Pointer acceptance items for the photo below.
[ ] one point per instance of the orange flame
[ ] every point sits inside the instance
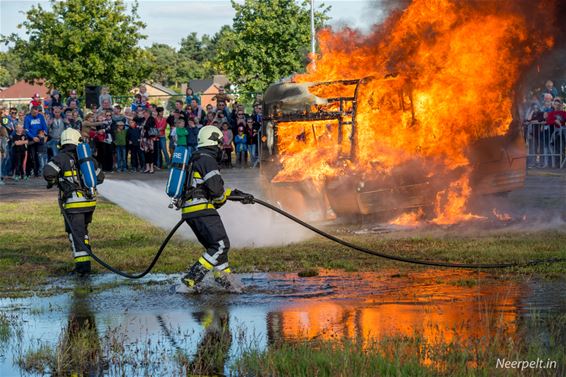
(442, 77)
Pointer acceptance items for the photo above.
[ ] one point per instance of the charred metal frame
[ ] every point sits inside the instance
(307, 115)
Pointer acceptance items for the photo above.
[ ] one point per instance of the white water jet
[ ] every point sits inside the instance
(246, 225)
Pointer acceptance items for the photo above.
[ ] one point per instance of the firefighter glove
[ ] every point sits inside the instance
(240, 196)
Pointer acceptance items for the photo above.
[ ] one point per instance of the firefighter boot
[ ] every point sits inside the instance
(195, 275)
(227, 281)
(82, 264)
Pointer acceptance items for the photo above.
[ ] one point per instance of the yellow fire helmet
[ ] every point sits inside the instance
(70, 136)
(209, 136)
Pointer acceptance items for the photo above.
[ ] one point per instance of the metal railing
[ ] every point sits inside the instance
(546, 145)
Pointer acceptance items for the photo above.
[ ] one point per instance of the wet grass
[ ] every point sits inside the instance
(5, 330)
(34, 247)
(413, 355)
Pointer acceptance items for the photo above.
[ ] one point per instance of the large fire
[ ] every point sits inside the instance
(442, 76)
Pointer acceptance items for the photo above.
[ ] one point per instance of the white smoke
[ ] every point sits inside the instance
(246, 225)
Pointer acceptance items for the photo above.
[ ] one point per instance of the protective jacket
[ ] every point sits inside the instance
(63, 170)
(205, 191)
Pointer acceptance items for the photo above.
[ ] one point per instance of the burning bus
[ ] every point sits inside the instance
(419, 114)
(315, 126)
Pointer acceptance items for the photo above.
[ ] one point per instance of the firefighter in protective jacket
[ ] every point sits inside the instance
(204, 195)
(79, 203)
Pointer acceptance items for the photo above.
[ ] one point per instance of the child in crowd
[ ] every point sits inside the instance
(42, 150)
(19, 147)
(104, 95)
(133, 136)
(241, 142)
(181, 132)
(121, 156)
(227, 148)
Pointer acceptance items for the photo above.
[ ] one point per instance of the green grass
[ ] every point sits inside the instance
(411, 355)
(34, 247)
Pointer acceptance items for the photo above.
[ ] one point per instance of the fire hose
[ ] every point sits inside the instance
(249, 199)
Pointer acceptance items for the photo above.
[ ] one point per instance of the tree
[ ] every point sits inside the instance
(165, 59)
(269, 40)
(9, 68)
(83, 42)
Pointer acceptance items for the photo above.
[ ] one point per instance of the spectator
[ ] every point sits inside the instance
(117, 116)
(121, 157)
(209, 118)
(149, 134)
(56, 100)
(549, 89)
(190, 95)
(105, 107)
(104, 96)
(221, 96)
(197, 112)
(178, 112)
(56, 126)
(139, 103)
(73, 97)
(103, 143)
(42, 150)
(19, 141)
(34, 122)
(227, 148)
(143, 92)
(36, 102)
(161, 124)
(192, 137)
(257, 114)
(221, 106)
(241, 141)
(252, 132)
(220, 118)
(9, 123)
(172, 120)
(133, 137)
(239, 120)
(555, 121)
(181, 133)
(210, 109)
(73, 105)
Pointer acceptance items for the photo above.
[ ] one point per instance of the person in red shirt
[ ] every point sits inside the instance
(161, 124)
(36, 102)
(555, 132)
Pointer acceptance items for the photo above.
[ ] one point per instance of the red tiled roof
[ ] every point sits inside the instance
(22, 89)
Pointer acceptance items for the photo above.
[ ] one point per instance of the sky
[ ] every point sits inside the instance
(168, 21)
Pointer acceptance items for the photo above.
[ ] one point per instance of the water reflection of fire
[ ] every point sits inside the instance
(432, 304)
(443, 74)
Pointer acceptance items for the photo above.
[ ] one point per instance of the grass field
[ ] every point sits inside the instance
(34, 247)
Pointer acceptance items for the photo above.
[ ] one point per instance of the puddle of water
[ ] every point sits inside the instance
(145, 328)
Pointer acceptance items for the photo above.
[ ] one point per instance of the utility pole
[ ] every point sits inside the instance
(313, 38)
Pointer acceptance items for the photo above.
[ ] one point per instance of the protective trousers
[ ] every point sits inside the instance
(210, 232)
(79, 224)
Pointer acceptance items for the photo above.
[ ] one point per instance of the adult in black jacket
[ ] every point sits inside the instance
(63, 171)
(204, 196)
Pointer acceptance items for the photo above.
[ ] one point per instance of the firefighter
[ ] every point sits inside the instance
(79, 203)
(204, 195)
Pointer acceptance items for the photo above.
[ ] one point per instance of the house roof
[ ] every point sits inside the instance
(22, 89)
(200, 86)
(162, 88)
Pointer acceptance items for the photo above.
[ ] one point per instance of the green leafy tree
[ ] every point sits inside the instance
(166, 61)
(9, 67)
(269, 40)
(81, 42)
